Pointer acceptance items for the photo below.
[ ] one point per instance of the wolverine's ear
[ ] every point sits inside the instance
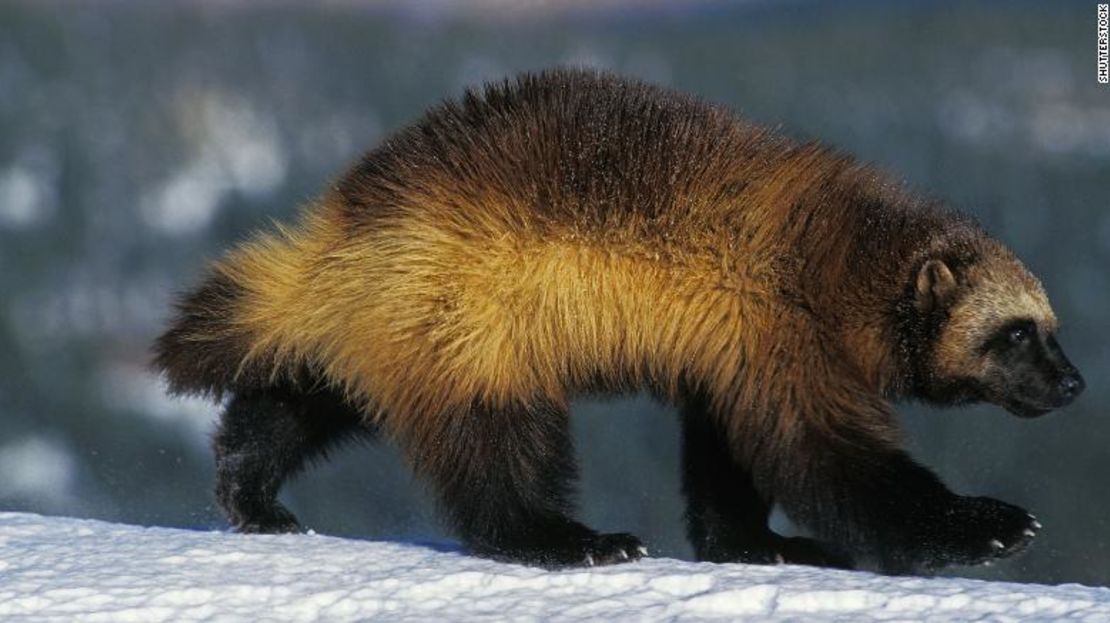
(936, 286)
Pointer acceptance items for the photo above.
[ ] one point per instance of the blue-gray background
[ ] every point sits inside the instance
(138, 139)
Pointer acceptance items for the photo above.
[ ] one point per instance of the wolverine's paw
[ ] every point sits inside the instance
(592, 550)
(608, 549)
(977, 530)
(274, 520)
(584, 548)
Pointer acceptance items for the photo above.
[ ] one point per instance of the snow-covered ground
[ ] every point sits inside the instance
(61, 569)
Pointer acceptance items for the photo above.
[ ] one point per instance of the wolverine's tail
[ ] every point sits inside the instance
(203, 351)
(239, 331)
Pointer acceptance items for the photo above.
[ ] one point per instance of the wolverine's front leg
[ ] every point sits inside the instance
(854, 488)
(503, 476)
(726, 517)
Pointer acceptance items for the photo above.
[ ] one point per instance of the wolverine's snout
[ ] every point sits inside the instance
(1066, 382)
(1071, 386)
(1042, 379)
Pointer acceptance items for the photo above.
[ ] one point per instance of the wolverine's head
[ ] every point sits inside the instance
(993, 335)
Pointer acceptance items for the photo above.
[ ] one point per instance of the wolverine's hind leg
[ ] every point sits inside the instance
(504, 476)
(264, 437)
(726, 517)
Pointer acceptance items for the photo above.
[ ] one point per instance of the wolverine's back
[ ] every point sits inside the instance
(563, 231)
(563, 146)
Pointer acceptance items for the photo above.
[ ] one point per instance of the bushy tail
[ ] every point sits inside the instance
(203, 352)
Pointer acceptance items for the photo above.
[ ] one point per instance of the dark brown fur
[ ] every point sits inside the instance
(572, 232)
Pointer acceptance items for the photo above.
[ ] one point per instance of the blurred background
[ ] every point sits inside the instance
(139, 139)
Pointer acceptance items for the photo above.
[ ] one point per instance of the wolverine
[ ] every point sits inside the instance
(572, 232)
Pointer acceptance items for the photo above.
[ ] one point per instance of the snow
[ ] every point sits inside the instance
(61, 569)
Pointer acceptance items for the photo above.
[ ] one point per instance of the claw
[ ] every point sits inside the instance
(589, 560)
(643, 550)
(623, 554)
(1036, 524)
(996, 544)
(779, 560)
(1029, 533)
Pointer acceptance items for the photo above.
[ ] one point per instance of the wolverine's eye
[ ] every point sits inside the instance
(1018, 335)
(1011, 336)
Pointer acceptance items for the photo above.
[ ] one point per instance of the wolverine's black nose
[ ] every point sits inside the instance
(1071, 386)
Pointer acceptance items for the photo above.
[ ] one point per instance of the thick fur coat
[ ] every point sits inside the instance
(571, 232)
